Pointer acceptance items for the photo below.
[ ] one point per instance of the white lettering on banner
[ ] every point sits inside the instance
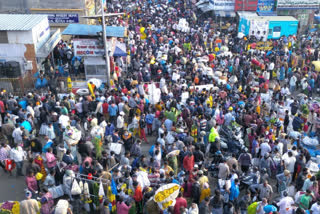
(225, 5)
(298, 4)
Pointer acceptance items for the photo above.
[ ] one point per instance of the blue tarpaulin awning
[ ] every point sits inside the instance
(92, 30)
(119, 52)
(222, 13)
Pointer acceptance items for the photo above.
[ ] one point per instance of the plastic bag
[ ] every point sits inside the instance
(295, 135)
(56, 191)
(75, 190)
(310, 141)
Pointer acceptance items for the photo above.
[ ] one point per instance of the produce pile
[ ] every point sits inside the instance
(10, 207)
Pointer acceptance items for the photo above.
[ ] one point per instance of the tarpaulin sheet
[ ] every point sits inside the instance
(92, 30)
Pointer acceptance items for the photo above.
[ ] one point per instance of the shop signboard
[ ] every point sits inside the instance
(246, 5)
(63, 18)
(265, 5)
(224, 5)
(92, 47)
(298, 4)
(88, 47)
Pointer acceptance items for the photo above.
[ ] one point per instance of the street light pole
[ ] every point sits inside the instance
(105, 44)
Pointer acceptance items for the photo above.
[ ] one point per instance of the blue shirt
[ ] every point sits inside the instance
(113, 110)
(168, 124)
(234, 191)
(149, 118)
(109, 130)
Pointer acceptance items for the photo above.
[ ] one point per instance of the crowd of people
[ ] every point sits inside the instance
(235, 128)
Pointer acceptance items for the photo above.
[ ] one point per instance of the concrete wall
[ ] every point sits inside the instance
(22, 6)
(20, 37)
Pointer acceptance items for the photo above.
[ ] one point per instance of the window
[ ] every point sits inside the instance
(277, 29)
(101, 70)
(91, 70)
(96, 70)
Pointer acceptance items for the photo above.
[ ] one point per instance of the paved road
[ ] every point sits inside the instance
(12, 188)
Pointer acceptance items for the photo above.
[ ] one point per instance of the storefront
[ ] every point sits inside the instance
(25, 41)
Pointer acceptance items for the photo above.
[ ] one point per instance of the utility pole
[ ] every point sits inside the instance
(105, 44)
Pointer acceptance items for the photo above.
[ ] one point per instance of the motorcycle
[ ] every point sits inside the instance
(231, 139)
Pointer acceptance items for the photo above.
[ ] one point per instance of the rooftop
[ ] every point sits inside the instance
(274, 18)
(20, 22)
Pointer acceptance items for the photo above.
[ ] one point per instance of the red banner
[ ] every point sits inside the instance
(246, 5)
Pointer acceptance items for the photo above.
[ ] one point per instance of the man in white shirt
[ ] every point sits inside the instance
(315, 208)
(292, 83)
(120, 120)
(285, 204)
(79, 107)
(30, 109)
(17, 134)
(265, 148)
(289, 162)
(17, 155)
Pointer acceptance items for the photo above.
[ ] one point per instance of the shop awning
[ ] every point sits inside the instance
(246, 14)
(267, 13)
(92, 30)
(119, 52)
(205, 6)
(221, 13)
(45, 50)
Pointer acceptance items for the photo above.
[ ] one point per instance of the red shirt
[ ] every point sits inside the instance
(180, 202)
(138, 194)
(188, 163)
(105, 107)
(2, 109)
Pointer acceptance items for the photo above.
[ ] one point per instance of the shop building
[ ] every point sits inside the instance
(25, 41)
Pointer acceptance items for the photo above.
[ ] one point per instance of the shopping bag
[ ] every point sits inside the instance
(75, 190)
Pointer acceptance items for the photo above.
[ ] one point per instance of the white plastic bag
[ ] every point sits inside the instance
(310, 141)
(75, 190)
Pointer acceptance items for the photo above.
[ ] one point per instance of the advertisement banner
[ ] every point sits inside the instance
(63, 18)
(244, 5)
(92, 47)
(225, 5)
(265, 5)
(297, 4)
(259, 29)
(88, 47)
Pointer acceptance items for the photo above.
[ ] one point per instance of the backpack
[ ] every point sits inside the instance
(252, 208)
